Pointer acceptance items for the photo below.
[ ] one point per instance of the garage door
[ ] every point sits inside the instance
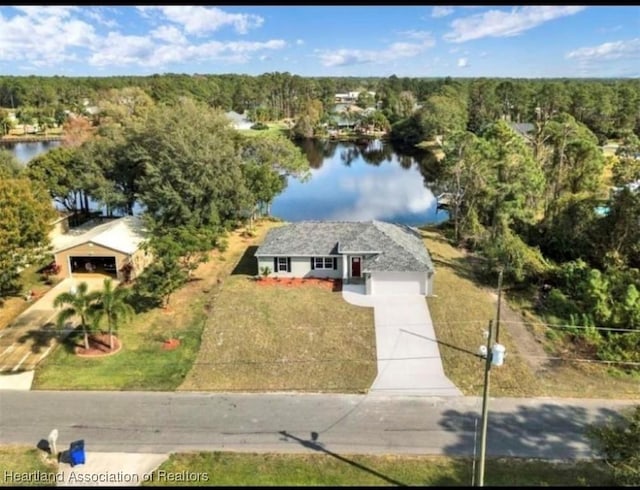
(398, 283)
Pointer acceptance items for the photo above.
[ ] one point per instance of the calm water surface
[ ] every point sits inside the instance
(26, 151)
(359, 182)
(349, 182)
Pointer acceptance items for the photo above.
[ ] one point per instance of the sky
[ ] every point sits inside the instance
(408, 41)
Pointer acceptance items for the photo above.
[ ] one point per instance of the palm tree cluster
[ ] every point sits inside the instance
(108, 304)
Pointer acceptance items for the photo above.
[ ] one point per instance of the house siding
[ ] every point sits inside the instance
(300, 267)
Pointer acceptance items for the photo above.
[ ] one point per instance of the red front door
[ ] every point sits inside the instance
(355, 266)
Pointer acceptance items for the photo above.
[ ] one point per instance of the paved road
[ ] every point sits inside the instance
(165, 422)
(409, 361)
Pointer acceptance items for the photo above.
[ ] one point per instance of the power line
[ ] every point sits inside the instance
(567, 326)
(543, 324)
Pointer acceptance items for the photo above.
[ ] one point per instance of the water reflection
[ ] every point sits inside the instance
(362, 181)
(26, 151)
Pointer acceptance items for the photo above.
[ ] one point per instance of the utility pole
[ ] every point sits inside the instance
(485, 409)
(494, 356)
(499, 304)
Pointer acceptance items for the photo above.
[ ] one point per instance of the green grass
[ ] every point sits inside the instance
(281, 338)
(237, 469)
(274, 129)
(461, 312)
(16, 461)
(142, 363)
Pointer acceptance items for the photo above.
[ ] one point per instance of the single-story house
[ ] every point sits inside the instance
(239, 121)
(111, 247)
(389, 258)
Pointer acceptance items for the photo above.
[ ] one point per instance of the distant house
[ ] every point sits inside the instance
(112, 248)
(239, 121)
(523, 129)
(390, 259)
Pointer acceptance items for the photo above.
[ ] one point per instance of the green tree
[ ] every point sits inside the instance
(619, 443)
(267, 162)
(6, 123)
(61, 172)
(10, 167)
(25, 222)
(191, 167)
(79, 303)
(112, 305)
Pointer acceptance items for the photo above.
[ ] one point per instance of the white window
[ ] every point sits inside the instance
(282, 264)
(323, 262)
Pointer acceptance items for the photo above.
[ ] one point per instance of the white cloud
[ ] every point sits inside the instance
(43, 36)
(344, 57)
(424, 36)
(607, 51)
(299, 42)
(463, 62)
(500, 23)
(483, 54)
(170, 34)
(96, 14)
(40, 12)
(200, 20)
(438, 12)
(377, 198)
(127, 50)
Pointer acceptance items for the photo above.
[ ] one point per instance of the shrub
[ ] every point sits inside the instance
(259, 126)
(265, 271)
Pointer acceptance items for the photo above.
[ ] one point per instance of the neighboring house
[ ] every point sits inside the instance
(112, 248)
(239, 121)
(523, 129)
(388, 258)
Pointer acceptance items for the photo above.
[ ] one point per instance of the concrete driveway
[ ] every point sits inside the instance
(409, 360)
(32, 335)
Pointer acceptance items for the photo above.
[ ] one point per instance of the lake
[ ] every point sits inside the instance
(348, 181)
(26, 151)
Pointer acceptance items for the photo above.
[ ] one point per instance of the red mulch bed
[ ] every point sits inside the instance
(170, 344)
(98, 346)
(332, 284)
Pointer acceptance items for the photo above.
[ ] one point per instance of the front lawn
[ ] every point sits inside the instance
(25, 466)
(237, 469)
(143, 364)
(283, 338)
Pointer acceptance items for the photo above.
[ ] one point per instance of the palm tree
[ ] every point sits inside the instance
(80, 303)
(113, 306)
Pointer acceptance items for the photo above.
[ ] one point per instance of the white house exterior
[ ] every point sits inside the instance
(388, 258)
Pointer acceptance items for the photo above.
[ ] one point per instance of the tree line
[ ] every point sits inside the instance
(608, 107)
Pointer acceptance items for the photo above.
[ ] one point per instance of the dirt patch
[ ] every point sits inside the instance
(528, 346)
(331, 284)
(98, 346)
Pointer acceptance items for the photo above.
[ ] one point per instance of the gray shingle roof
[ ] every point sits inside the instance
(523, 128)
(397, 247)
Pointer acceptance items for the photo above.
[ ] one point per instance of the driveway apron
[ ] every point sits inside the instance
(409, 361)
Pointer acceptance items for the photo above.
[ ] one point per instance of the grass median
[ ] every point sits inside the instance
(234, 469)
